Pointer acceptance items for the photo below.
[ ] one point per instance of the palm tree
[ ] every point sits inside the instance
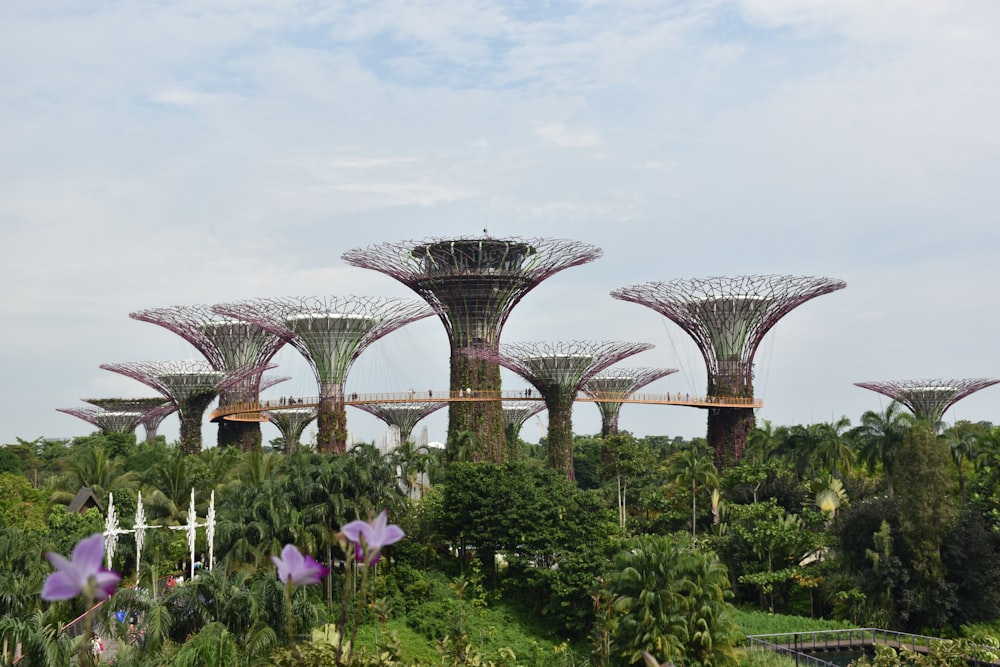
(95, 468)
(692, 469)
(40, 637)
(880, 437)
(963, 443)
(833, 449)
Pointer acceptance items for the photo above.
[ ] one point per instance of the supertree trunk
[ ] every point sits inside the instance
(244, 435)
(331, 420)
(560, 435)
(483, 419)
(609, 424)
(191, 414)
(728, 429)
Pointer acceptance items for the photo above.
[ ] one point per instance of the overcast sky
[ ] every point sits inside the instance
(156, 154)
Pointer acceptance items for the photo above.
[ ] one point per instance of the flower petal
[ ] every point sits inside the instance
(105, 583)
(58, 586)
(87, 555)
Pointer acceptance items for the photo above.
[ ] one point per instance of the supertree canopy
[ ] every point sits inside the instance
(617, 382)
(154, 410)
(515, 414)
(330, 332)
(108, 421)
(403, 416)
(292, 422)
(190, 385)
(928, 399)
(558, 370)
(228, 345)
(474, 283)
(728, 318)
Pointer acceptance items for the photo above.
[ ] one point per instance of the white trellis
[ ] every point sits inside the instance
(112, 530)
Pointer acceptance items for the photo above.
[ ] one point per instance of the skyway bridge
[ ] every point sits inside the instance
(256, 411)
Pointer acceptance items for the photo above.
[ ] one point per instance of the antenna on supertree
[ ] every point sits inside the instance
(403, 416)
(928, 399)
(330, 332)
(621, 383)
(292, 422)
(728, 318)
(108, 421)
(227, 345)
(515, 413)
(474, 283)
(154, 410)
(558, 370)
(191, 385)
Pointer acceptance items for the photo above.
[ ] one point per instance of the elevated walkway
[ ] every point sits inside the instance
(255, 411)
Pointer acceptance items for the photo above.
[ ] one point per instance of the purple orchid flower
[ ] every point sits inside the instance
(371, 537)
(298, 570)
(80, 574)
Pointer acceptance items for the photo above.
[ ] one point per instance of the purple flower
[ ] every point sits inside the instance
(371, 537)
(298, 570)
(81, 574)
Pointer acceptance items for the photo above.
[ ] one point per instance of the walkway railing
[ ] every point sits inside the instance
(252, 411)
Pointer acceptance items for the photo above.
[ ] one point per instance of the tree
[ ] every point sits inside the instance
(691, 469)
(963, 444)
(880, 437)
(671, 600)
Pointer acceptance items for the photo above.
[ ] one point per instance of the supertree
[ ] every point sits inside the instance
(621, 383)
(292, 422)
(228, 345)
(928, 399)
(558, 370)
(330, 332)
(403, 416)
(474, 283)
(515, 414)
(191, 385)
(728, 318)
(154, 410)
(108, 421)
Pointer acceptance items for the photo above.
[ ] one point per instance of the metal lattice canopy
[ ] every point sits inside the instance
(227, 344)
(128, 404)
(620, 382)
(928, 399)
(108, 421)
(563, 364)
(515, 413)
(330, 332)
(473, 282)
(728, 317)
(181, 381)
(403, 416)
(291, 422)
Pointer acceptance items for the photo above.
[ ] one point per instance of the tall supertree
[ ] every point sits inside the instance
(191, 385)
(403, 416)
(558, 370)
(154, 410)
(928, 399)
(108, 421)
(515, 414)
(292, 422)
(475, 283)
(728, 318)
(616, 382)
(330, 332)
(228, 345)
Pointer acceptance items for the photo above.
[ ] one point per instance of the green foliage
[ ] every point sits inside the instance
(670, 599)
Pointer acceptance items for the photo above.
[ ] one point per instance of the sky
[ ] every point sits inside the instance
(178, 153)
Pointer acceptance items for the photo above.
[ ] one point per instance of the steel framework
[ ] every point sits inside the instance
(108, 421)
(617, 381)
(228, 345)
(474, 283)
(928, 399)
(330, 333)
(403, 416)
(728, 318)
(292, 422)
(154, 410)
(558, 370)
(191, 385)
(515, 414)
